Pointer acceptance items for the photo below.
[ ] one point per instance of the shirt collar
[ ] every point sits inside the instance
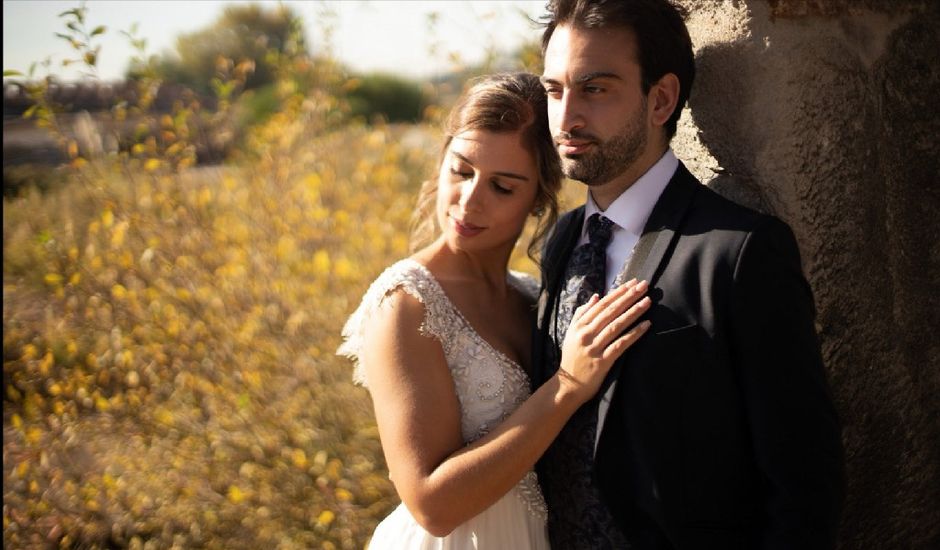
(633, 207)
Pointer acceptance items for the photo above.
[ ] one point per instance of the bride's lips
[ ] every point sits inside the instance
(465, 229)
(573, 147)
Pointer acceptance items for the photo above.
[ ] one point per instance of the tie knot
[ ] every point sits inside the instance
(599, 229)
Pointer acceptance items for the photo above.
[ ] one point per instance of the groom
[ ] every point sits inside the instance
(716, 430)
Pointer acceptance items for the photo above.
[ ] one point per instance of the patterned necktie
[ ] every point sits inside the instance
(577, 517)
(590, 259)
(585, 274)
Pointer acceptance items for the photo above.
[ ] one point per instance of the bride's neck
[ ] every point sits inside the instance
(461, 265)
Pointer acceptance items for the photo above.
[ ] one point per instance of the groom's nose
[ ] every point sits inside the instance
(565, 113)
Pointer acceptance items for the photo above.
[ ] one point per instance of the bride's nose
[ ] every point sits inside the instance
(471, 196)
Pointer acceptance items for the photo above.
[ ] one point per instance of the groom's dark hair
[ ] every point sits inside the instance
(662, 40)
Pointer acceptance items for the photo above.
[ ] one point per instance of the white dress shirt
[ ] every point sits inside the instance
(629, 212)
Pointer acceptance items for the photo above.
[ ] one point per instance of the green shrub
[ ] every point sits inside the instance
(391, 97)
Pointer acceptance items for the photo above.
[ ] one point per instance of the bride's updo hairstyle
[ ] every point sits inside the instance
(500, 103)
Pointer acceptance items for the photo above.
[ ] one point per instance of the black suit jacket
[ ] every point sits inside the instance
(721, 431)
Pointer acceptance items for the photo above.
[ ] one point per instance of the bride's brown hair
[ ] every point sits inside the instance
(501, 103)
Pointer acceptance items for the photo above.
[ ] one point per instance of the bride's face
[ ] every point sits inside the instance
(486, 188)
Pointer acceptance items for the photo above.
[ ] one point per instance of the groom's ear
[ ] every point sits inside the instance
(662, 99)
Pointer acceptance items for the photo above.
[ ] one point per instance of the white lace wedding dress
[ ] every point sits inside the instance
(489, 387)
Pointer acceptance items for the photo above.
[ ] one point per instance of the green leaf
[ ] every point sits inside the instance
(73, 11)
(65, 37)
(99, 30)
(11, 72)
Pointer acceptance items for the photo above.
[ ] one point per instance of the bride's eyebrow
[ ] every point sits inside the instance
(512, 175)
(461, 157)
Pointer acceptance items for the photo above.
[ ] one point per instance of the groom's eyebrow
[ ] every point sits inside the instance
(584, 78)
(595, 76)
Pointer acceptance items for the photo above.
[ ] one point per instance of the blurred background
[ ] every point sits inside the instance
(196, 195)
(412, 38)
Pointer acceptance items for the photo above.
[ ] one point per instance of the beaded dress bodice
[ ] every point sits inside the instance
(489, 385)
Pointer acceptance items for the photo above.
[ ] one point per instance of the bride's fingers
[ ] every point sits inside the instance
(580, 310)
(604, 303)
(630, 295)
(622, 321)
(620, 345)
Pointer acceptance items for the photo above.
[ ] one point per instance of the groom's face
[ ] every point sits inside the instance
(596, 107)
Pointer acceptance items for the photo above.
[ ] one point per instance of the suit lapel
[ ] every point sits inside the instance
(649, 254)
(558, 248)
(661, 228)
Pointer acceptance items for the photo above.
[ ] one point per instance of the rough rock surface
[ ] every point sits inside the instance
(825, 114)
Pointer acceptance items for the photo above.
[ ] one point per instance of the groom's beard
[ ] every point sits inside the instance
(607, 159)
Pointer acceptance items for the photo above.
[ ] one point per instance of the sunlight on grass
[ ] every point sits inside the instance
(169, 328)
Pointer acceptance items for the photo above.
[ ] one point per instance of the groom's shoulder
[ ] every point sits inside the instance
(560, 232)
(564, 224)
(709, 208)
(718, 222)
(569, 217)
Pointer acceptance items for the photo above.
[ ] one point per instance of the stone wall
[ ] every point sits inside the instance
(826, 114)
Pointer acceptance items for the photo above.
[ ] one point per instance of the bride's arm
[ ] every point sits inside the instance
(442, 482)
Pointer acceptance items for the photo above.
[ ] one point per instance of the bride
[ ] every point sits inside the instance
(442, 338)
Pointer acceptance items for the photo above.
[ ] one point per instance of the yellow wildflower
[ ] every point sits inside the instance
(235, 495)
(325, 518)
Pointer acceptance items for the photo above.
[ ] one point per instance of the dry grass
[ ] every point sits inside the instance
(168, 345)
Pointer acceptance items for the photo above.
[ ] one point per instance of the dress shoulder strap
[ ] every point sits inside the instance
(406, 275)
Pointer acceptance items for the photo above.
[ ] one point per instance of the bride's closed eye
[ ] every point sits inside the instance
(500, 188)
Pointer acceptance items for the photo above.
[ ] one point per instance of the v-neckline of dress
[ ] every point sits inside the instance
(480, 339)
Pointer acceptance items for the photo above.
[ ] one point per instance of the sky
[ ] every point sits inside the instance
(368, 35)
